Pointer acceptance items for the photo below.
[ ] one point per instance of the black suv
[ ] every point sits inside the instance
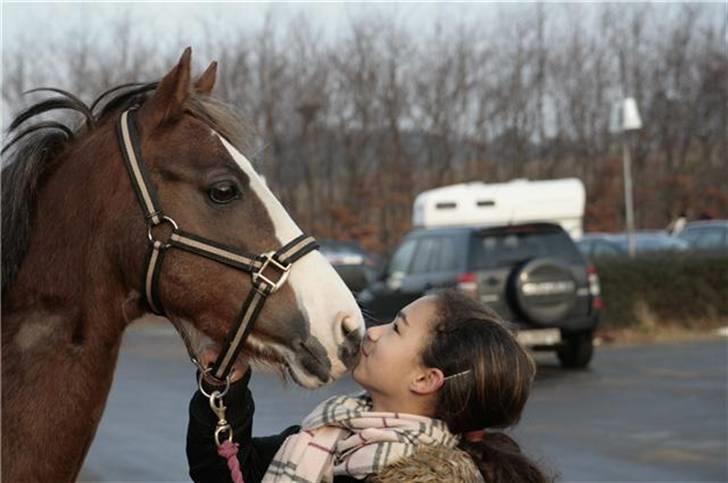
(533, 275)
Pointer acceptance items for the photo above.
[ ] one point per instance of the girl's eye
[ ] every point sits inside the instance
(396, 329)
(223, 192)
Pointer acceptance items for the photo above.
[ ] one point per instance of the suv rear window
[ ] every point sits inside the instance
(507, 246)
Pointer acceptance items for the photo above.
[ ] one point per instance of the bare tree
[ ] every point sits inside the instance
(354, 125)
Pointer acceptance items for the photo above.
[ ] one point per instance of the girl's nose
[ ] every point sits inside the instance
(373, 333)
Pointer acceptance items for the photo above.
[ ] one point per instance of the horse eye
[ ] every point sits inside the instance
(223, 192)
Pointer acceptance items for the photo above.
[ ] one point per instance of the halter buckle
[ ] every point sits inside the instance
(162, 219)
(270, 261)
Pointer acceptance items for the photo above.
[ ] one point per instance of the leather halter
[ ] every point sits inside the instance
(264, 283)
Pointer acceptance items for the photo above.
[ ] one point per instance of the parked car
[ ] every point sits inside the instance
(596, 245)
(709, 235)
(355, 265)
(531, 274)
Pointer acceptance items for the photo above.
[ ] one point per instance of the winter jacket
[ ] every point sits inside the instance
(427, 465)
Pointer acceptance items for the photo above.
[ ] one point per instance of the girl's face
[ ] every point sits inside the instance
(390, 354)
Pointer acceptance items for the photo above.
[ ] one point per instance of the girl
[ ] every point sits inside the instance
(439, 381)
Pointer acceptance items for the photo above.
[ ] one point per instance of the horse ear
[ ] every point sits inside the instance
(205, 83)
(167, 102)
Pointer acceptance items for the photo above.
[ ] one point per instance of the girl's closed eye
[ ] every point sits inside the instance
(396, 328)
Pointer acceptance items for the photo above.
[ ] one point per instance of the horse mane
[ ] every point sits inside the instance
(33, 150)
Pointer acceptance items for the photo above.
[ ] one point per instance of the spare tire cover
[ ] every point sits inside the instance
(544, 290)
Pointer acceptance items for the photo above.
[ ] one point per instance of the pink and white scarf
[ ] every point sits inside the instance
(342, 436)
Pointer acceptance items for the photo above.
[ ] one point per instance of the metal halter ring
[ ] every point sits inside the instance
(200, 377)
(151, 225)
(223, 429)
(269, 260)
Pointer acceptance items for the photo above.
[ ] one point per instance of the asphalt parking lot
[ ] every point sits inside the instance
(649, 413)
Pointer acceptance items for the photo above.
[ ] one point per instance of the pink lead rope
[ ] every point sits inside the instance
(229, 451)
(223, 431)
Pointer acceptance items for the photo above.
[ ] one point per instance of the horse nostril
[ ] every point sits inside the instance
(349, 325)
(349, 350)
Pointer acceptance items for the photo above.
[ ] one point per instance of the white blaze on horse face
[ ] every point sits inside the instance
(320, 293)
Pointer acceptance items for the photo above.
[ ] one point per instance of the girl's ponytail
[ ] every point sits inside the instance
(494, 376)
(500, 460)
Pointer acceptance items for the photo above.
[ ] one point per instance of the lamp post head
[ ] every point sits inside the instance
(630, 115)
(625, 116)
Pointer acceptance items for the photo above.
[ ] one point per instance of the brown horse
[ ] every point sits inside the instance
(73, 262)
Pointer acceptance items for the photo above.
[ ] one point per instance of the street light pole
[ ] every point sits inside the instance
(625, 119)
(628, 198)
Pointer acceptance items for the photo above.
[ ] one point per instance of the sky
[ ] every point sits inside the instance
(30, 26)
(27, 27)
(44, 22)
(169, 23)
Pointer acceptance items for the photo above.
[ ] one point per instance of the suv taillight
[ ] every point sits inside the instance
(594, 289)
(468, 283)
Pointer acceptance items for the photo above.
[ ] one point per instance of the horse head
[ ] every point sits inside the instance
(311, 327)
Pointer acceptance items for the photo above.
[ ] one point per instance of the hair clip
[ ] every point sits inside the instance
(457, 375)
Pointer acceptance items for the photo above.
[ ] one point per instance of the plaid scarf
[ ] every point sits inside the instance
(342, 436)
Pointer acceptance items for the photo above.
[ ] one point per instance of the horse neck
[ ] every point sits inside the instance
(70, 259)
(63, 320)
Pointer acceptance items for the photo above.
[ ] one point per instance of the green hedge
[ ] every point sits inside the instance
(689, 290)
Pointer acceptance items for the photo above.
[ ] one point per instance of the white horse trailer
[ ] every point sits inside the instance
(519, 201)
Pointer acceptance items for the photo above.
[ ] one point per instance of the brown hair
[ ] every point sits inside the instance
(490, 377)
